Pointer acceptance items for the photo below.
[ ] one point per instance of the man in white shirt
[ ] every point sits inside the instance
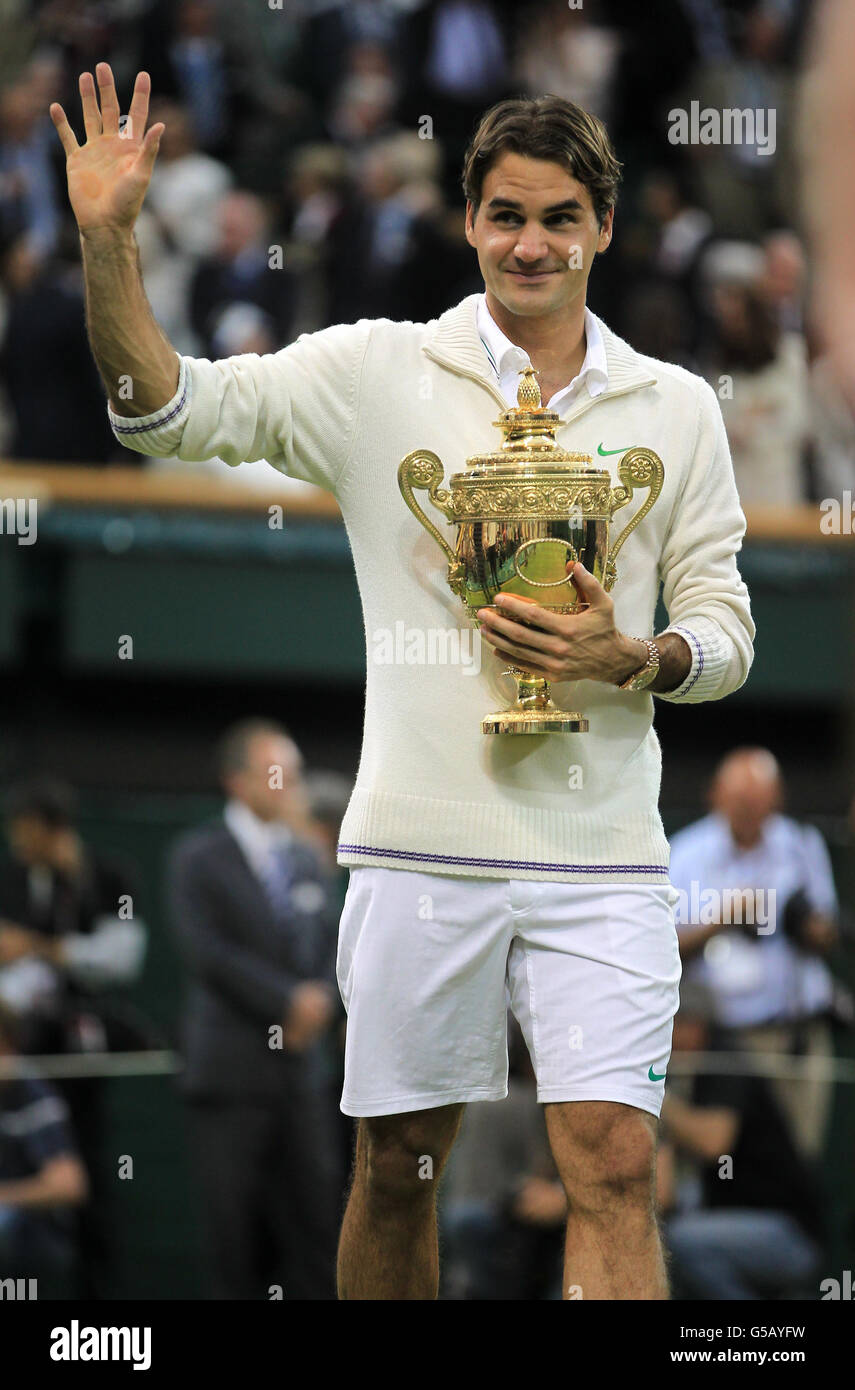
(471, 866)
(508, 360)
(746, 935)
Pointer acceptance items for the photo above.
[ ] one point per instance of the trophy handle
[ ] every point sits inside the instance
(423, 469)
(638, 468)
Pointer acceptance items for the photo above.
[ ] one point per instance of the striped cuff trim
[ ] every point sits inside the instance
(696, 669)
(156, 421)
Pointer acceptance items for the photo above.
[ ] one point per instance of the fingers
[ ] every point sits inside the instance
(148, 153)
(531, 614)
(529, 637)
(106, 118)
(63, 129)
(138, 114)
(91, 114)
(533, 658)
(109, 100)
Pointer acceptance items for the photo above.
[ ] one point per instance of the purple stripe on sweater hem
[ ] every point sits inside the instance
(144, 429)
(505, 863)
(687, 632)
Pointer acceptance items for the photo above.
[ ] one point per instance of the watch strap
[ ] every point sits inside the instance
(640, 679)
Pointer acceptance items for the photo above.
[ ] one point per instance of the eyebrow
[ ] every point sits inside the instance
(568, 205)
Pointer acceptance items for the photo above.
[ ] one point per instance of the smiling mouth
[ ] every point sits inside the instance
(530, 275)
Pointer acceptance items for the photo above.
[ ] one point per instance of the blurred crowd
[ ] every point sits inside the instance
(254, 894)
(254, 900)
(309, 174)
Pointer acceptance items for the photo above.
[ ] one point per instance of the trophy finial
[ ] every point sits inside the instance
(527, 426)
(528, 393)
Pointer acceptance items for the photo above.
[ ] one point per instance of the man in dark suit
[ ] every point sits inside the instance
(239, 271)
(256, 915)
(46, 369)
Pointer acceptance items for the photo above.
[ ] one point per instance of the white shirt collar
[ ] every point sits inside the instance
(257, 838)
(506, 359)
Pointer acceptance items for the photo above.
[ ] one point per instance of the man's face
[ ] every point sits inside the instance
(240, 223)
(271, 784)
(746, 801)
(536, 235)
(30, 839)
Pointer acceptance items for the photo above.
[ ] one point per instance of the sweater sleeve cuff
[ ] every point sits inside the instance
(712, 654)
(158, 434)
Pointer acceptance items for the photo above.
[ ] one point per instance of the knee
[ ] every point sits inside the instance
(403, 1156)
(612, 1163)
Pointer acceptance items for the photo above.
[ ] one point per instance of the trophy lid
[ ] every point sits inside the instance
(528, 419)
(528, 437)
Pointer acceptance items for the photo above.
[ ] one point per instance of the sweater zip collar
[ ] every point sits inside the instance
(453, 342)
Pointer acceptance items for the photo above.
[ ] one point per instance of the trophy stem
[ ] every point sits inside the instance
(532, 692)
(533, 711)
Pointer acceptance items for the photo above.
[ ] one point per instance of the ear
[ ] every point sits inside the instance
(470, 223)
(606, 231)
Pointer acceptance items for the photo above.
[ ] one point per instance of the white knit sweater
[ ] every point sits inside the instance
(341, 408)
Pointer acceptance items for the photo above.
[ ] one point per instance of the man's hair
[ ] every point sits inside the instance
(46, 798)
(545, 128)
(232, 754)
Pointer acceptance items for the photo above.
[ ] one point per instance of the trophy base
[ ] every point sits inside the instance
(533, 712)
(533, 721)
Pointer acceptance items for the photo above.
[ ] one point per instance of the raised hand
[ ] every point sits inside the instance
(109, 174)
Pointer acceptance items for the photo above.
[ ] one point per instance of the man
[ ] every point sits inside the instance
(61, 904)
(759, 1228)
(470, 859)
(42, 1179)
(70, 936)
(43, 332)
(238, 271)
(758, 916)
(255, 913)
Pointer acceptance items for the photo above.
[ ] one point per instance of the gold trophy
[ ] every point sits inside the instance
(522, 513)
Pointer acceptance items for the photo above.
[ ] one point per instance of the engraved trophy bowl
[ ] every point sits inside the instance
(521, 514)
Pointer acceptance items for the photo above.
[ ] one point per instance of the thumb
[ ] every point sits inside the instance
(589, 588)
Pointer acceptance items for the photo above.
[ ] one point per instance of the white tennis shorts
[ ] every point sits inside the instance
(429, 963)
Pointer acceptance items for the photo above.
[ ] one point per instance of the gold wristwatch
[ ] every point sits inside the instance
(648, 672)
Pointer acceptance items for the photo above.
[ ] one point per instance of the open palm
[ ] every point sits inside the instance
(109, 174)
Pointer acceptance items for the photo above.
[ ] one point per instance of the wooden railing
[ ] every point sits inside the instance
(191, 489)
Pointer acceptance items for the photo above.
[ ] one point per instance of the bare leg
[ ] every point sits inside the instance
(606, 1155)
(388, 1247)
